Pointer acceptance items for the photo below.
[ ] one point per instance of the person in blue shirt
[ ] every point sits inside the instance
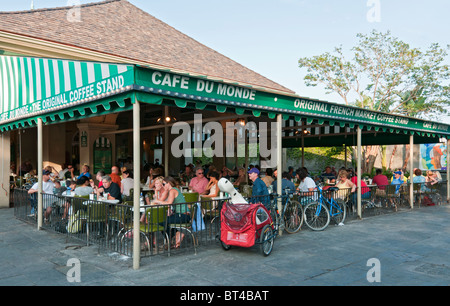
(85, 172)
(285, 183)
(398, 180)
(260, 194)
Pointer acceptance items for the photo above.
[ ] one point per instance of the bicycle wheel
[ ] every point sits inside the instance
(340, 212)
(316, 216)
(266, 240)
(293, 217)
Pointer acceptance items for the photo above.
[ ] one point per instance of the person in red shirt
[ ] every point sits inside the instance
(115, 177)
(380, 179)
(365, 191)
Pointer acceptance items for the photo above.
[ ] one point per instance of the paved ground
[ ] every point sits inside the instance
(409, 248)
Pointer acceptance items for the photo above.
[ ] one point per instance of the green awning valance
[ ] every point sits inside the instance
(36, 87)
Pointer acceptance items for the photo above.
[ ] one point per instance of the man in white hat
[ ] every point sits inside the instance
(47, 188)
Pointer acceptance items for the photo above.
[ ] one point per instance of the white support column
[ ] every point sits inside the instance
(411, 170)
(279, 161)
(39, 171)
(137, 185)
(448, 170)
(358, 129)
(166, 142)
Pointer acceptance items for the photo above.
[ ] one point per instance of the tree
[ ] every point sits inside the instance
(385, 74)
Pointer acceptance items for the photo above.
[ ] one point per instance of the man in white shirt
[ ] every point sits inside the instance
(306, 186)
(47, 187)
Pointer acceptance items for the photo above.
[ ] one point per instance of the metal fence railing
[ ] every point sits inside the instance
(187, 226)
(164, 229)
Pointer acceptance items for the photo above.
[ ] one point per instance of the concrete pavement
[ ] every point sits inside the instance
(404, 248)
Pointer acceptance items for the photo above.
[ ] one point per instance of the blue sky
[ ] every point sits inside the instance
(269, 36)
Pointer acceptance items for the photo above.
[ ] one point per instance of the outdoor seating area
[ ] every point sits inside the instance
(109, 224)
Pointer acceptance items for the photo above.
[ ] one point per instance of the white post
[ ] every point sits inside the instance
(39, 171)
(411, 170)
(137, 185)
(166, 142)
(279, 162)
(448, 170)
(358, 175)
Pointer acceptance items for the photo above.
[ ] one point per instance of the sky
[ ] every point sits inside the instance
(269, 36)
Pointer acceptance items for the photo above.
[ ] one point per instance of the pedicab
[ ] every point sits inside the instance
(243, 224)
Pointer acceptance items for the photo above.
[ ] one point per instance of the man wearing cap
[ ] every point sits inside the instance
(260, 194)
(47, 187)
(397, 180)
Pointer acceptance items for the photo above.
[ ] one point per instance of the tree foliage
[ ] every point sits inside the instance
(385, 74)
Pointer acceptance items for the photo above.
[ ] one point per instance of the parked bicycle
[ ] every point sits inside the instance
(318, 213)
(291, 214)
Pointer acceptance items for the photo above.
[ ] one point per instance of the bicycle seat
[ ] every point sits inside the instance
(333, 189)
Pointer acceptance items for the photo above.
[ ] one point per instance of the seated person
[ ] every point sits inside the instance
(260, 194)
(84, 172)
(241, 178)
(268, 179)
(127, 182)
(187, 175)
(344, 184)
(306, 187)
(181, 212)
(81, 188)
(328, 175)
(199, 182)
(365, 191)
(160, 194)
(380, 179)
(58, 189)
(420, 179)
(212, 190)
(285, 183)
(397, 180)
(115, 177)
(431, 178)
(47, 187)
(111, 188)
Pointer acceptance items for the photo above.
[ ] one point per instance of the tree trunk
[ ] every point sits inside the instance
(370, 158)
(392, 157)
(405, 164)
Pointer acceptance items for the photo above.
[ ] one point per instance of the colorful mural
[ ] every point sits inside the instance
(433, 156)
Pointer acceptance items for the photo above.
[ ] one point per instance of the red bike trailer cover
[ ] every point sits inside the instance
(238, 224)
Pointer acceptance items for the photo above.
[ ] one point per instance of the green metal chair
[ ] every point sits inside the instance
(187, 227)
(190, 196)
(121, 215)
(96, 212)
(156, 222)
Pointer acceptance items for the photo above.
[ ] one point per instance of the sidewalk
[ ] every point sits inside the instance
(412, 248)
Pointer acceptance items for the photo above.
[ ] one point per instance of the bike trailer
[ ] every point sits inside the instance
(241, 224)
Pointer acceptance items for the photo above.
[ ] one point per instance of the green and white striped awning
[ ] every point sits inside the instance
(57, 90)
(33, 87)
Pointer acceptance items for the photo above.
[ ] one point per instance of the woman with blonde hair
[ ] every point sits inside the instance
(181, 212)
(160, 194)
(430, 178)
(344, 183)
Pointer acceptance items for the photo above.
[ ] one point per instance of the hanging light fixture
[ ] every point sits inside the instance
(167, 120)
